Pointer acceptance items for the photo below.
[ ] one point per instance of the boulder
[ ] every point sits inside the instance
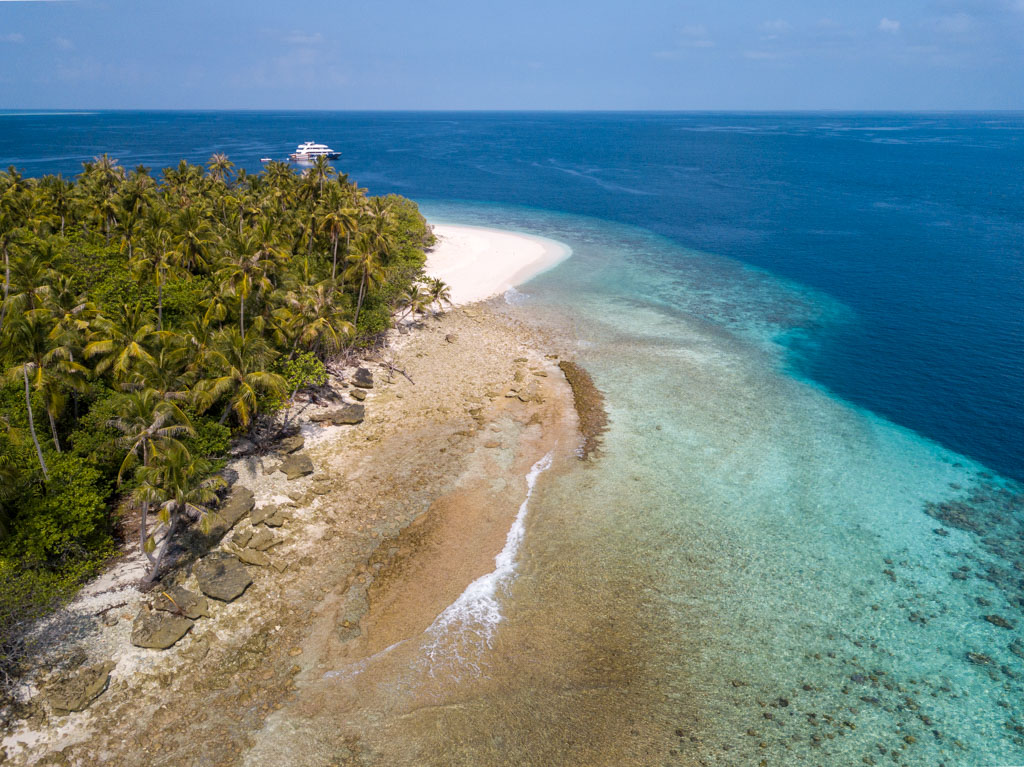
(297, 465)
(242, 536)
(451, 338)
(358, 394)
(363, 378)
(75, 690)
(242, 447)
(349, 414)
(263, 539)
(222, 576)
(262, 513)
(158, 630)
(181, 601)
(253, 557)
(277, 519)
(239, 503)
(291, 444)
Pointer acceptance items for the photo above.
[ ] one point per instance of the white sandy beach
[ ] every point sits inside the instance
(478, 263)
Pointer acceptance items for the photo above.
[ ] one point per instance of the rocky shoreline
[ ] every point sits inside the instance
(326, 553)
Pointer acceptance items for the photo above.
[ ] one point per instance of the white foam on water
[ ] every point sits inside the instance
(467, 625)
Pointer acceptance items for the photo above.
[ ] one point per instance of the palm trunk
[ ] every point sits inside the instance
(151, 578)
(334, 264)
(7, 285)
(62, 226)
(53, 430)
(241, 317)
(144, 520)
(160, 304)
(359, 303)
(32, 425)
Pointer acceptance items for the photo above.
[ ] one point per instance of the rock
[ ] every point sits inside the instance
(347, 415)
(492, 444)
(1000, 621)
(540, 373)
(261, 514)
(297, 465)
(263, 539)
(451, 338)
(75, 690)
(363, 378)
(358, 394)
(979, 659)
(270, 468)
(222, 576)
(181, 601)
(239, 503)
(253, 557)
(157, 630)
(1017, 648)
(291, 444)
(277, 519)
(241, 447)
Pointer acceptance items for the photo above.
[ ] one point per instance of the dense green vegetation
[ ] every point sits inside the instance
(144, 322)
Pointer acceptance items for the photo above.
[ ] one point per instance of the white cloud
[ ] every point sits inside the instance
(63, 43)
(12, 37)
(889, 25)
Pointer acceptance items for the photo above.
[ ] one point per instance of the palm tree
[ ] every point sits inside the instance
(220, 167)
(365, 267)
(248, 270)
(180, 486)
(413, 300)
(149, 424)
(122, 343)
(193, 237)
(154, 261)
(320, 172)
(313, 318)
(240, 377)
(26, 343)
(336, 222)
(439, 291)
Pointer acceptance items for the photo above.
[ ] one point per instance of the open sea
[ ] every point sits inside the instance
(803, 543)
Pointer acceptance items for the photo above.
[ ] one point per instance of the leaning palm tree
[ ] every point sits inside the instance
(412, 301)
(439, 291)
(239, 378)
(181, 487)
(149, 424)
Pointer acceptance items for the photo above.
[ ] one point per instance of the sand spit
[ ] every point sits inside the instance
(479, 263)
(400, 514)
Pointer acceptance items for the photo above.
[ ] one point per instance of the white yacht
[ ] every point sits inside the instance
(309, 151)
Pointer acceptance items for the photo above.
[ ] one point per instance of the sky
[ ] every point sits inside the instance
(498, 54)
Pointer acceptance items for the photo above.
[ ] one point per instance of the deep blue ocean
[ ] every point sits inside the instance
(914, 223)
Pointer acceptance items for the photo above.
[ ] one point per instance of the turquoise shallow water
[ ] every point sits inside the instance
(792, 579)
